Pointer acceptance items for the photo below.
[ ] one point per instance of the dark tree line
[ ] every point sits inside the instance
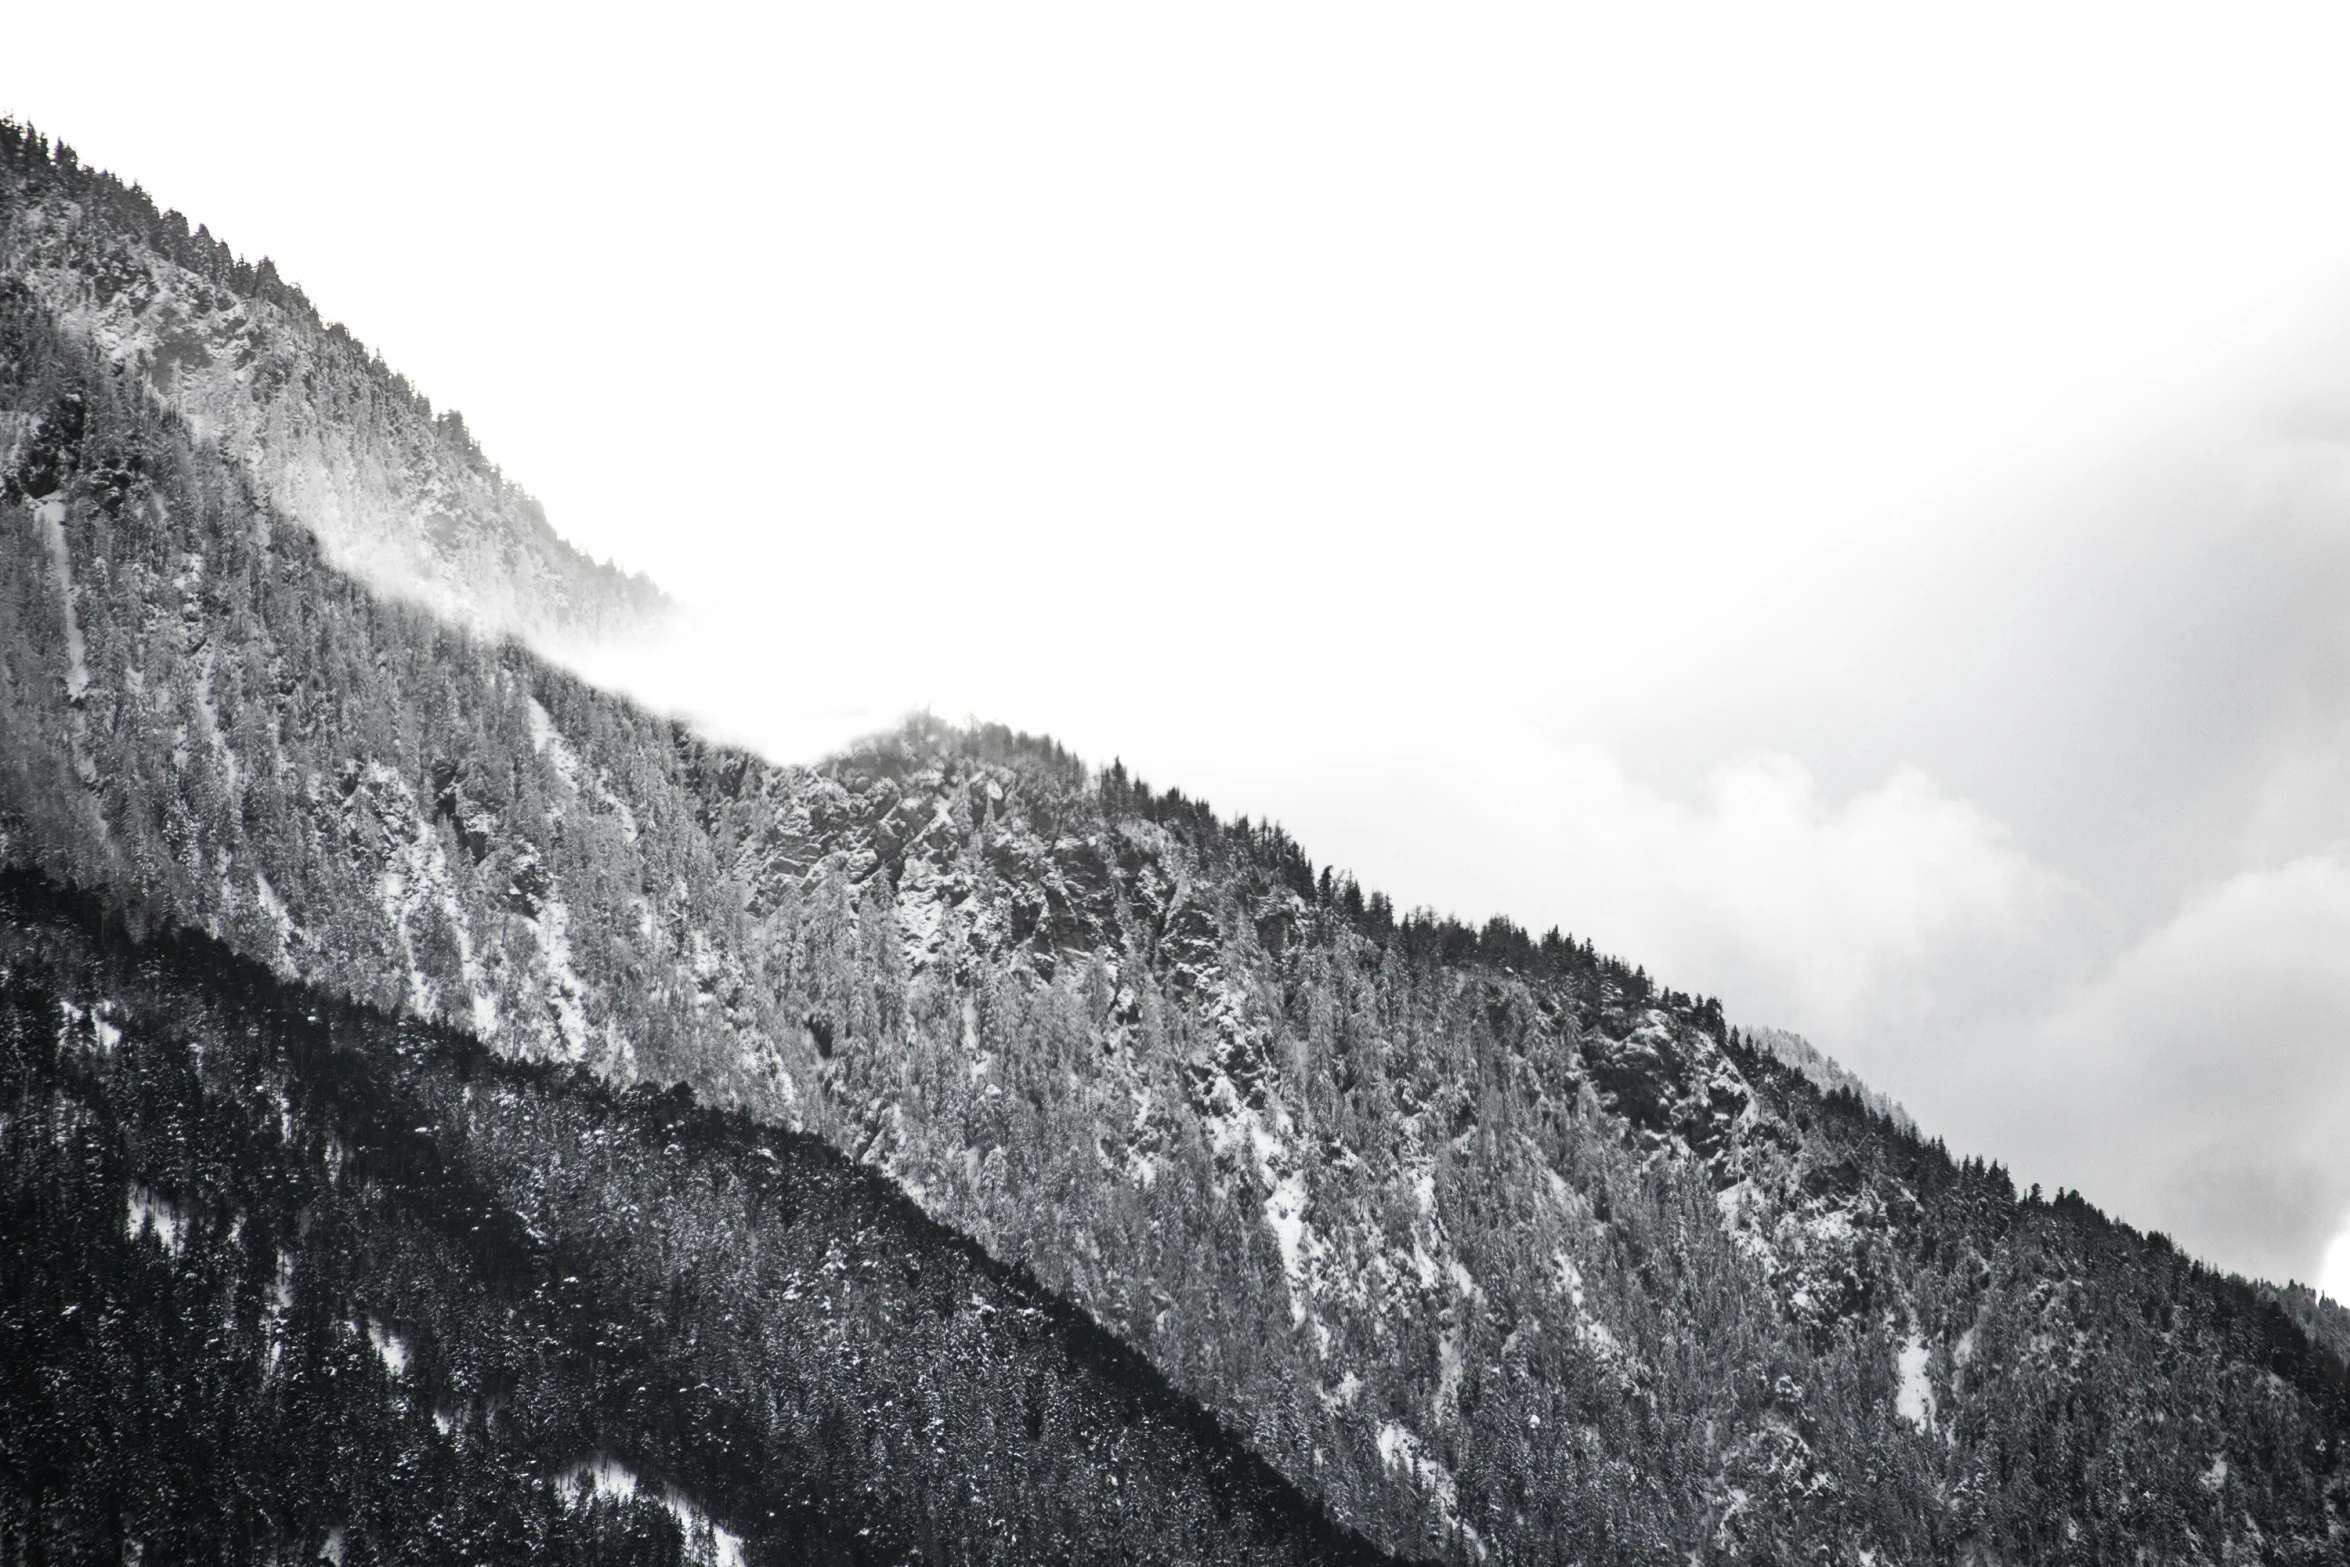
(376, 1282)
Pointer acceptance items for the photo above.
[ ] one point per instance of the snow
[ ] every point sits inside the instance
(606, 1479)
(1913, 1399)
(332, 1549)
(1396, 1445)
(1237, 1127)
(1570, 1279)
(49, 518)
(104, 1034)
(150, 1213)
(1738, 1501)
(1401, 1452)
(390, 1346)
(1142, 1168)
(281, 1306)
(1423, 1264)
(567, 993)
(416, 878)
(548, 741)
(2216, 1476)
(265, 897)
(1285, 1216)
(1448, 1375)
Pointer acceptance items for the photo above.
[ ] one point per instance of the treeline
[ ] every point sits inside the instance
(1423, 934)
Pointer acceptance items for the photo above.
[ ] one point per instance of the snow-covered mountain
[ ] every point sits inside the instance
(1492, 1244)
(396, 495)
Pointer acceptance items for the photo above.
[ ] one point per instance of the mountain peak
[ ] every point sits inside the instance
(397, 494)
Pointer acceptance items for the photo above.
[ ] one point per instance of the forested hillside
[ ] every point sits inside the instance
(1491, 1242)
(396, 494)
(281, 1276)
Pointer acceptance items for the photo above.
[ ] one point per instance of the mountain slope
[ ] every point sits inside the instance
(1489, 1242)
(275, 1270)
(398, 496)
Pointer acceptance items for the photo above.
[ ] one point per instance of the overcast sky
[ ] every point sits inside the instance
(1848, 509)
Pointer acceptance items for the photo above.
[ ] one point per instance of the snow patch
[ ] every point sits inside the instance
(49, 518)
(567, 993)
(1254, 1128)
(1285, 1216)
(280, 1307)
(1424, 1190)
(390, 1346)
(1913, 1399)
(1570, 1279)
(266, 899)
(548, 741)
(416, 880)
(1402, 1453)
(1349, 1388)
(605, 1479)
(151, 1213)
(1448, 1375)
(103, 1032)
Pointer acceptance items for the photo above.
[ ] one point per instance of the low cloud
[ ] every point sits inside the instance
(2201, 1084)
(2028, 808)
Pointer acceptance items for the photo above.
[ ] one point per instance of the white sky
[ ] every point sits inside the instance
(1848, 507)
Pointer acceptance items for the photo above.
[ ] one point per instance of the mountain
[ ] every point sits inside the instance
(286, 1277)
(396, 495)
(1490, 1245)
(1824, 1074)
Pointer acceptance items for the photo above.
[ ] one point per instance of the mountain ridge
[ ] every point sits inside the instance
(399, 495)
(1490, 1243)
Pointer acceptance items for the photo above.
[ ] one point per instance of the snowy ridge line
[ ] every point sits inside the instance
(397, 495)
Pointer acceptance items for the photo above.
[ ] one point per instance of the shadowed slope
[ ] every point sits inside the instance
(374, 1281)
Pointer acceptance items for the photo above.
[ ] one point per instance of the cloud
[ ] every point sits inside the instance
(1886, 923)
(2191, 1072)
(1935, 649)
(2333, 1277)
(1856, 920)
(2201, 1084)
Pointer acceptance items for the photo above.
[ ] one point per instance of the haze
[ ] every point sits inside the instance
(1850, 511)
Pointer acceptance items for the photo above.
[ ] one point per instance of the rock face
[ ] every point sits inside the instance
(1491, 1243)
(397, 496)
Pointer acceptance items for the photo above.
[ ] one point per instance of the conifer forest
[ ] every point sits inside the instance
(449, 1112)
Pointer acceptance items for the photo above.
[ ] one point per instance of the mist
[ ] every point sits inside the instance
(1851, 513)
